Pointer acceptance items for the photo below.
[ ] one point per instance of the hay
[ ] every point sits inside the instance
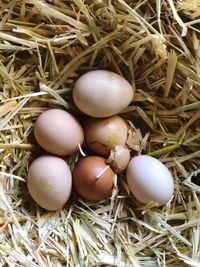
(45, 46)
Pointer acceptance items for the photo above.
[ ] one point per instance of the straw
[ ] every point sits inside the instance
(44, 47)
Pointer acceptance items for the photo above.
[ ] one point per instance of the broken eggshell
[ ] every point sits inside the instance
(103, 135)
(134, 137)
(119, 158)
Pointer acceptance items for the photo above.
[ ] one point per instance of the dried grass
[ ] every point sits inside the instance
(45, 46)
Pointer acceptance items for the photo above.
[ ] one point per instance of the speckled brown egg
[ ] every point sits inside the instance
(58, 132)
(49, 182)
(93, 179)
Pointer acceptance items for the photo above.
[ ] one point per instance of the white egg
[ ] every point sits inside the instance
(149, 180)
(102, 93)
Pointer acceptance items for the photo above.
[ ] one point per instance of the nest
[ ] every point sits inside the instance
(44, 47)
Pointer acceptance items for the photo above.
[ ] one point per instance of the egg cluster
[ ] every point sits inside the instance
(100, 95)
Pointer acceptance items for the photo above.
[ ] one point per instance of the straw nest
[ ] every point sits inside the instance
(45, 46)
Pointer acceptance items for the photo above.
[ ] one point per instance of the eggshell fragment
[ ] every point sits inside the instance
(134, 138)
(119, 158)
(93, 179)
(102, 93)
(49, 182)
(149, 180)
(58, 132)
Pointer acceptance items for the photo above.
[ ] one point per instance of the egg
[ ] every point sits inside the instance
(103, 135)
(93, 179)
(58, 132)
(49, 182)
(149, 180)
(102, 93)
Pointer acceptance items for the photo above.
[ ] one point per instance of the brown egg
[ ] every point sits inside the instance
(49, 182)
(58, 132)
(93, 179)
